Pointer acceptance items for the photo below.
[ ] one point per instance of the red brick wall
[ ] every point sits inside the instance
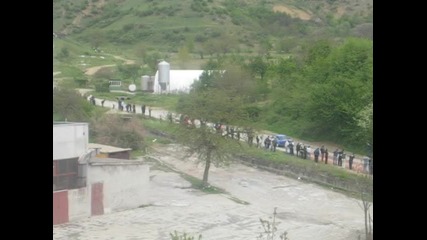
(60, 207)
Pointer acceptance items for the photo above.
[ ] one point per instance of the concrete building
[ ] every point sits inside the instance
(84, 185)
(125, 182)
(112, 185)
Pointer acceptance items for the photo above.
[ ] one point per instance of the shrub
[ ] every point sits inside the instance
(118, 131)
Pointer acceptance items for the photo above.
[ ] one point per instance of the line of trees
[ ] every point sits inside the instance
(327, 95)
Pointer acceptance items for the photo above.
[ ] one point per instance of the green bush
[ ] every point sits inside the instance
(102, 86)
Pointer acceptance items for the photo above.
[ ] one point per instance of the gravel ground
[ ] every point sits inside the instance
(304, 210)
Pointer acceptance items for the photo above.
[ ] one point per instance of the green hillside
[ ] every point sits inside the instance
(134, 27)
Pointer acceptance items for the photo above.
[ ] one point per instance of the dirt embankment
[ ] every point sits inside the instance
(293, 12)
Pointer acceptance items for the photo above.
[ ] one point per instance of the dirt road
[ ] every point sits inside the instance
(92, 70)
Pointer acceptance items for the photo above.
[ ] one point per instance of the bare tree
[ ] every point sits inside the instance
(365, 187)
(270, 229)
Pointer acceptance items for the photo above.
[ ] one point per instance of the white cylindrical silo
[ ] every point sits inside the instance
(144, 82)
(164, 69)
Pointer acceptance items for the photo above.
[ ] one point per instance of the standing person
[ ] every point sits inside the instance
(340, 157)
(267, 142)
(350, 161)
(170, 117)
(143, 109)
(257, 141)
(285, 145)
(291, 148)
(133, 108)
(322, 152)
(335, 156)
(316, 155)
(250, 135)
(149, 111)
(308, 152)
(102, 103)
(304, 152)
(366, 164)
(274, 144)
(298, 148)
(343, 158)
(326, 156)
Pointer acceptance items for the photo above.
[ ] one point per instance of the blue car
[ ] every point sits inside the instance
(281, 140)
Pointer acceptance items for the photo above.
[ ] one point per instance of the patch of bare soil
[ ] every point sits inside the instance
(92, 70)
(340, 11)
(293, 12)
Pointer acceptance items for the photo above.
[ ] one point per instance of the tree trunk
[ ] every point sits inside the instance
(207, 166)
(365, 209)
(370, 227)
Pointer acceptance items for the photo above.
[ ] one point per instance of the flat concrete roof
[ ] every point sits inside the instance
(106, 148)
(69, 123)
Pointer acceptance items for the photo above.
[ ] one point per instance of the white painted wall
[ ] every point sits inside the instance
(70, 140)
(125, 186)
(179, 81)
(79, 201)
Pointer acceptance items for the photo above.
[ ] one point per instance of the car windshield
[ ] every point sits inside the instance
(281, 137)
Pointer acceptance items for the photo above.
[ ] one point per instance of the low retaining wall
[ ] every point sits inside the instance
(322, 178)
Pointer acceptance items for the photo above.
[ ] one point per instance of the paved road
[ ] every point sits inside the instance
(359, 165)
(306, 211)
